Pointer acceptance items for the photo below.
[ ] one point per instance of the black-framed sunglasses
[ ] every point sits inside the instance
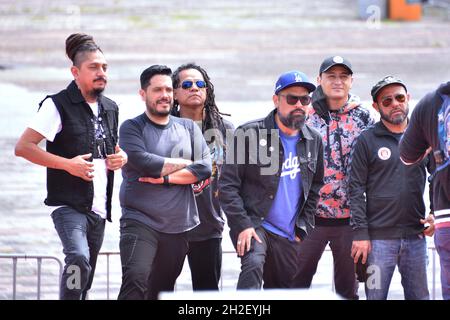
(386, 102)
(292, 100)
(187, 84)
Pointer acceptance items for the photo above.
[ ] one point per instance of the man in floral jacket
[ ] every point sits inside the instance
(340, 118)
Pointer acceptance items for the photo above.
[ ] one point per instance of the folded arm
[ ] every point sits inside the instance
(185, 171)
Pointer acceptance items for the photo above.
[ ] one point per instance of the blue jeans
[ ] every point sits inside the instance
(410, 255)
(442, 243)
(81, 236)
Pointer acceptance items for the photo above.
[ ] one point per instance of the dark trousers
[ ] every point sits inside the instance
(273, 261)
(205, 262)
(81, 236)
(311, 250)
(151, 260)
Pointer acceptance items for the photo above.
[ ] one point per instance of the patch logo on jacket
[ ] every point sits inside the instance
(384, 153)
(263, 142)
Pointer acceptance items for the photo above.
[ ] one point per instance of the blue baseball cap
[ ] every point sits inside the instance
(293, 78)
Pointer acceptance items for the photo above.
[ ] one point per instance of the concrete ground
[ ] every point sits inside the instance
(243, 45)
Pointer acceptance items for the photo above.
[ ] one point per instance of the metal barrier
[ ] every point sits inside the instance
(108, 254)
(113, 253)
(433, 268)
(433, 275)
(39, 259)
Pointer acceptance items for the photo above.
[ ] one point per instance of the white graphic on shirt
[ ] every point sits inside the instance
(291, 166)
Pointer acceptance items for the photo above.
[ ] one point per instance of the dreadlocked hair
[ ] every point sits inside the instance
(213, 118)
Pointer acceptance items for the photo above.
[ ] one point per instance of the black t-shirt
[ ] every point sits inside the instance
(422, 133)
(207, 192)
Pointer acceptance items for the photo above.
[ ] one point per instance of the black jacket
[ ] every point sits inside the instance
(249, 179)
(422, 133)
(386, 196)
(77, 138)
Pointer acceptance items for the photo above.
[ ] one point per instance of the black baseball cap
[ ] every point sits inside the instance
(335, 61)
(386, 81)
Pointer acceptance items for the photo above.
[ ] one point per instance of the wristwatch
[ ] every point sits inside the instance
(166, 180)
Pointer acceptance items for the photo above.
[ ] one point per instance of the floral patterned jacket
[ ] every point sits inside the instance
(339, 129)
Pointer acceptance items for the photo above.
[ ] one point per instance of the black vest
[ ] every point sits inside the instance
(77, 138)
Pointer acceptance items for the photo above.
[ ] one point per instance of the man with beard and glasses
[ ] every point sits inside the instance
(166, 155)
(386, 200)
(339, 117)
(270, 185)
(80, 126)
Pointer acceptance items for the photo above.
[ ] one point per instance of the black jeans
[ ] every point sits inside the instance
(311, 250)
(205, 262)
(151, 260)
(81, 235)
(273, 261)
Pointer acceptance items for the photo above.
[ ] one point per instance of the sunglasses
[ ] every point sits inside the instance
(292, 100)
(187, 84)
(388, 101)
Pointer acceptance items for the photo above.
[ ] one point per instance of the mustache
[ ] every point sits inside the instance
(163, 100)
(398, 110)
(298, 112)
(100, 78)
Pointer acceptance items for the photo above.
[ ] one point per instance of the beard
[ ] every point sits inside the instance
(97, 92)
(397, 119)
(293, 121)
(152, 108)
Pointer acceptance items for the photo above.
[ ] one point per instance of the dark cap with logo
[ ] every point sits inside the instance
(335, 61)
(293, 78)
(386, 81)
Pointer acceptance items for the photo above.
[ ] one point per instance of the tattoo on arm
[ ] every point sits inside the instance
(173, 165)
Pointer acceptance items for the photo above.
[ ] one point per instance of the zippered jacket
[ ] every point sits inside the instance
(249, 180)
(338, 129)
(386, 196)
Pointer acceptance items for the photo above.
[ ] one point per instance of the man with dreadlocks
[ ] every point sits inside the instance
(80, 126)
(194, 99)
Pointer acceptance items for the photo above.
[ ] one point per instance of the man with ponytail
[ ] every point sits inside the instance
(80, 128)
